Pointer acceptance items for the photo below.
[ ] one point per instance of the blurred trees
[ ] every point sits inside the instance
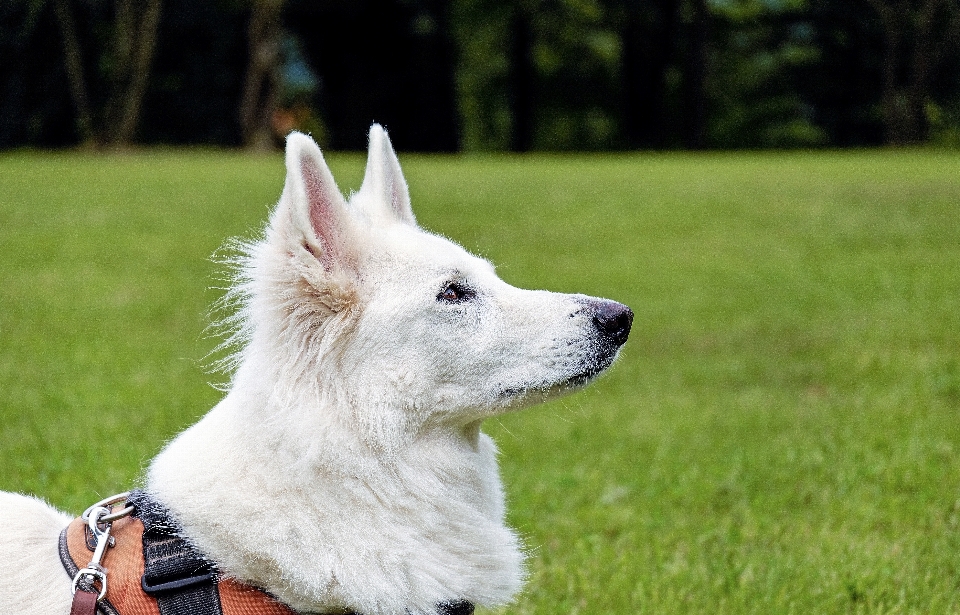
(445, 75)
(259, 103)
(918, 36)
(388, 61)
(123, 55)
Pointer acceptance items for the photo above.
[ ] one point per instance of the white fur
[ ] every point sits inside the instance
(345, 467)
(33, 581)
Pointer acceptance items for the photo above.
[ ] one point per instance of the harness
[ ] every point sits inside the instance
(154, 571)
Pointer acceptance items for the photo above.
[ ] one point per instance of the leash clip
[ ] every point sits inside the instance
(100, 518)
(94, 571)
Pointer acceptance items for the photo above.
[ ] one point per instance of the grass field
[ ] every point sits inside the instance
(781, 434)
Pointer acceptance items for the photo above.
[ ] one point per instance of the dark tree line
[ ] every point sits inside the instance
(445, 75)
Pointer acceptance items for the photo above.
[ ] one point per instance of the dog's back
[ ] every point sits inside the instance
(33, 581)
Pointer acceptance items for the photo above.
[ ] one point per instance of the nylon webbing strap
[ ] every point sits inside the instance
(182, 581)
(459, 607)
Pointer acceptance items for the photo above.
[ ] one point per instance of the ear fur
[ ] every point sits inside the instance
(384, 191)
(313, 206)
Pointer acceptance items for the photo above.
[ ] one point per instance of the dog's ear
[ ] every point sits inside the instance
(312, 211)
(384, 190)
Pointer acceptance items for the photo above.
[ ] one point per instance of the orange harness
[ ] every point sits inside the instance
(124, 561)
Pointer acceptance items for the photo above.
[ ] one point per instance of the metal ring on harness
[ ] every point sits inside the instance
(107, 503)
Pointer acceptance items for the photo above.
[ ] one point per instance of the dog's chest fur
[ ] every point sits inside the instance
(340, 525)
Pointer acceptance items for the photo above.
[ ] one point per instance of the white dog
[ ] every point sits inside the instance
(345, 469)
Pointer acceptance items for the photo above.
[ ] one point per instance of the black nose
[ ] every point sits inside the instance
(612, 319)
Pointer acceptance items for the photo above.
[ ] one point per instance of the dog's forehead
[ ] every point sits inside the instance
(413, 246)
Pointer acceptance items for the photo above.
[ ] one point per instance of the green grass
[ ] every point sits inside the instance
(781, 434)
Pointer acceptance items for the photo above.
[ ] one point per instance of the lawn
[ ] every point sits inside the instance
(780, 435)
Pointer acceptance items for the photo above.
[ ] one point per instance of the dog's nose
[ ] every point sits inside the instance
(613, 320)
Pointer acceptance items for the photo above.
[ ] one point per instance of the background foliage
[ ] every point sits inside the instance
(446, 75)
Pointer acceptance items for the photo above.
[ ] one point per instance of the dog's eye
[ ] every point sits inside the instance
(455, 293)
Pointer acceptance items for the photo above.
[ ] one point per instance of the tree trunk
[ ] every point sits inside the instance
(694, 107)
(522, 86)
(141, 56)
(892, 106)
(134, 41)
(908, 72)
(522, 76)
(923, 63)
(647, 35)
(259, 100)
(73, 62)
(434, 122)
(120, 70)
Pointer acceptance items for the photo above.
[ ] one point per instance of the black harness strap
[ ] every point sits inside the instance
(459, 607)
(177, 575)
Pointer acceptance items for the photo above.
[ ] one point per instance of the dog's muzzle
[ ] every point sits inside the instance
(611, 319)
(611, 323)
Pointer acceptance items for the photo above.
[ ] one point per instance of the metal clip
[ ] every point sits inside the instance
(94, 570)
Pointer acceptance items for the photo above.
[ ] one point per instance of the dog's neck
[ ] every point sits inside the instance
(311, 513)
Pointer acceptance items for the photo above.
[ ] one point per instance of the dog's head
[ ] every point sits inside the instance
(399, 327)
